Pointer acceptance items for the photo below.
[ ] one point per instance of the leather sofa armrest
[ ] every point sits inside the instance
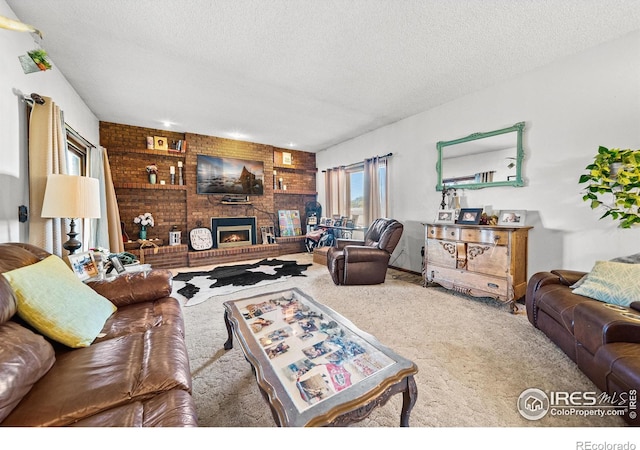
(363, 253)
(342, 243)
(568, 277)
(135, 287)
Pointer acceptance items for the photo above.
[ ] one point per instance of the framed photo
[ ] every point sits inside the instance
(286, 159)
(446, 216)
(514, 218)
(470, 216)
(323, 220)
(83, 265)
(160, 143)
(117, 264)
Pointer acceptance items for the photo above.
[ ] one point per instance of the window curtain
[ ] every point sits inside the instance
(106, 231)
(336, 192)
(375, 200)
(47, 155)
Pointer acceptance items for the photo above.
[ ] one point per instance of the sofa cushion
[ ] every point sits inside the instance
(612, 282)
(55, 302)
(108, 374)
(24, 358)
(174, 408)
(139, 317)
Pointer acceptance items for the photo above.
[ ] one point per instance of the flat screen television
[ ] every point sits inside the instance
(217, 175)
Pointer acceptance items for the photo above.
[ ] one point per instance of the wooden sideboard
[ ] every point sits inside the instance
(478, 260)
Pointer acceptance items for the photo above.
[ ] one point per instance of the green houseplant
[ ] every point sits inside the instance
(613, 183)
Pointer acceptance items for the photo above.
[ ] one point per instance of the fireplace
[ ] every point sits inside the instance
(233, 231)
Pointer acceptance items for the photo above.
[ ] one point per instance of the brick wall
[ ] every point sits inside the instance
(182, 206)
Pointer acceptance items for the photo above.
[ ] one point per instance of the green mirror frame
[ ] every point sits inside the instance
(518, 128)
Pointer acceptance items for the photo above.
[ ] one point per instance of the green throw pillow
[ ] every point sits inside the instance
(55, 302)
(612, 282)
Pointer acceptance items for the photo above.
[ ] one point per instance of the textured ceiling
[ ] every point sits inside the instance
(304, 73)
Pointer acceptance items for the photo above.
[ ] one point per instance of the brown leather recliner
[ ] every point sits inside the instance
(365, 262)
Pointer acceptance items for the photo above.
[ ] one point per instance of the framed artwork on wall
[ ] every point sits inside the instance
(160, 143)
(470, 216)
(514, 218)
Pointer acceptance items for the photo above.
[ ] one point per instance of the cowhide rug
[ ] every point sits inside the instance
(192, 288)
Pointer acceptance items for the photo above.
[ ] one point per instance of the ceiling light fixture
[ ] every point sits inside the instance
(237, 135)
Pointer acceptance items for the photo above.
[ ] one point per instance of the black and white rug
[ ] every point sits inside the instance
(192, 288)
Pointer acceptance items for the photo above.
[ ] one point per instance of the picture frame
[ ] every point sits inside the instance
(286, 159)
(323, 220)
(469, 216)
(512, 217)
(117, 264)
(83, 265)
(160, 143)
(446, 216)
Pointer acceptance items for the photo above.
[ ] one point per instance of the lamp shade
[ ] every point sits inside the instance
(71, 196)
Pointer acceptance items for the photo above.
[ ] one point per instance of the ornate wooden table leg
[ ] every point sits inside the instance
(409, 397)
(229, 344)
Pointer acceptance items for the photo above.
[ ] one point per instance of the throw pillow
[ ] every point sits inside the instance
(55, 302)
(612, 282)
(631, 259)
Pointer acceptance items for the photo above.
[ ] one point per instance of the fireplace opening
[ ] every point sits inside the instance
(233, 231)
(234, 236)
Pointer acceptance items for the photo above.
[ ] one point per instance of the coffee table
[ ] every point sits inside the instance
(313, 366)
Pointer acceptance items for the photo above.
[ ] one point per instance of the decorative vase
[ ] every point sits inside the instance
(143, 230)
(152, 178)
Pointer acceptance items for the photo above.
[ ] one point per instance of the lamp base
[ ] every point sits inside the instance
(72, 244)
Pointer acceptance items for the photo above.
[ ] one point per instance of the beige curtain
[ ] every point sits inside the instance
(116, 245)
(376, 203)
(336, 192)
(47, 155)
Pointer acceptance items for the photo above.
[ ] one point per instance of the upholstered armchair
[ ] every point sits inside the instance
(365, 262)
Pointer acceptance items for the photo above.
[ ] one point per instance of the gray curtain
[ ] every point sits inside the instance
(105, 231)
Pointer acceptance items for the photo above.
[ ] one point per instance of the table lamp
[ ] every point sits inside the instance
(71, 197)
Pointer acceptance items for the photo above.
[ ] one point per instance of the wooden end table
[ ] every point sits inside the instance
(313, 366)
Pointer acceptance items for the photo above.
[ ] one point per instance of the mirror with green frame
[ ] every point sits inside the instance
(481, 160)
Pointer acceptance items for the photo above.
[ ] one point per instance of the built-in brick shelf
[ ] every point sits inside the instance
(175, 256)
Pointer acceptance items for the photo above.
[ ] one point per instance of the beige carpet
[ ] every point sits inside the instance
(474, 356)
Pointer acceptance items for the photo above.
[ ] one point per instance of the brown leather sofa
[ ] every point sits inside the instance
(356, 262)
(602, 339)
(135, 374)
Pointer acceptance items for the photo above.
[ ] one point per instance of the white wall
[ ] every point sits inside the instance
(570, 108)
(13, 152)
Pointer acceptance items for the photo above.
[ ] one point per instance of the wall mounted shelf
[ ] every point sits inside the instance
(168, 187)
(144, 151)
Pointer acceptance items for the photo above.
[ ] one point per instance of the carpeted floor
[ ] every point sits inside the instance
(474, 357)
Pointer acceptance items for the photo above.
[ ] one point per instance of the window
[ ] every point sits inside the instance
(77, 149)
(356, 202)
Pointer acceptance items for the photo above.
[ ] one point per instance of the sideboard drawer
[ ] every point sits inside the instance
(470, 283)
(443, 232)
(485, 236)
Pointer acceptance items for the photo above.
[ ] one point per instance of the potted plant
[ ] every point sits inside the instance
(144, 220)
(613, 183)
(152, 170)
